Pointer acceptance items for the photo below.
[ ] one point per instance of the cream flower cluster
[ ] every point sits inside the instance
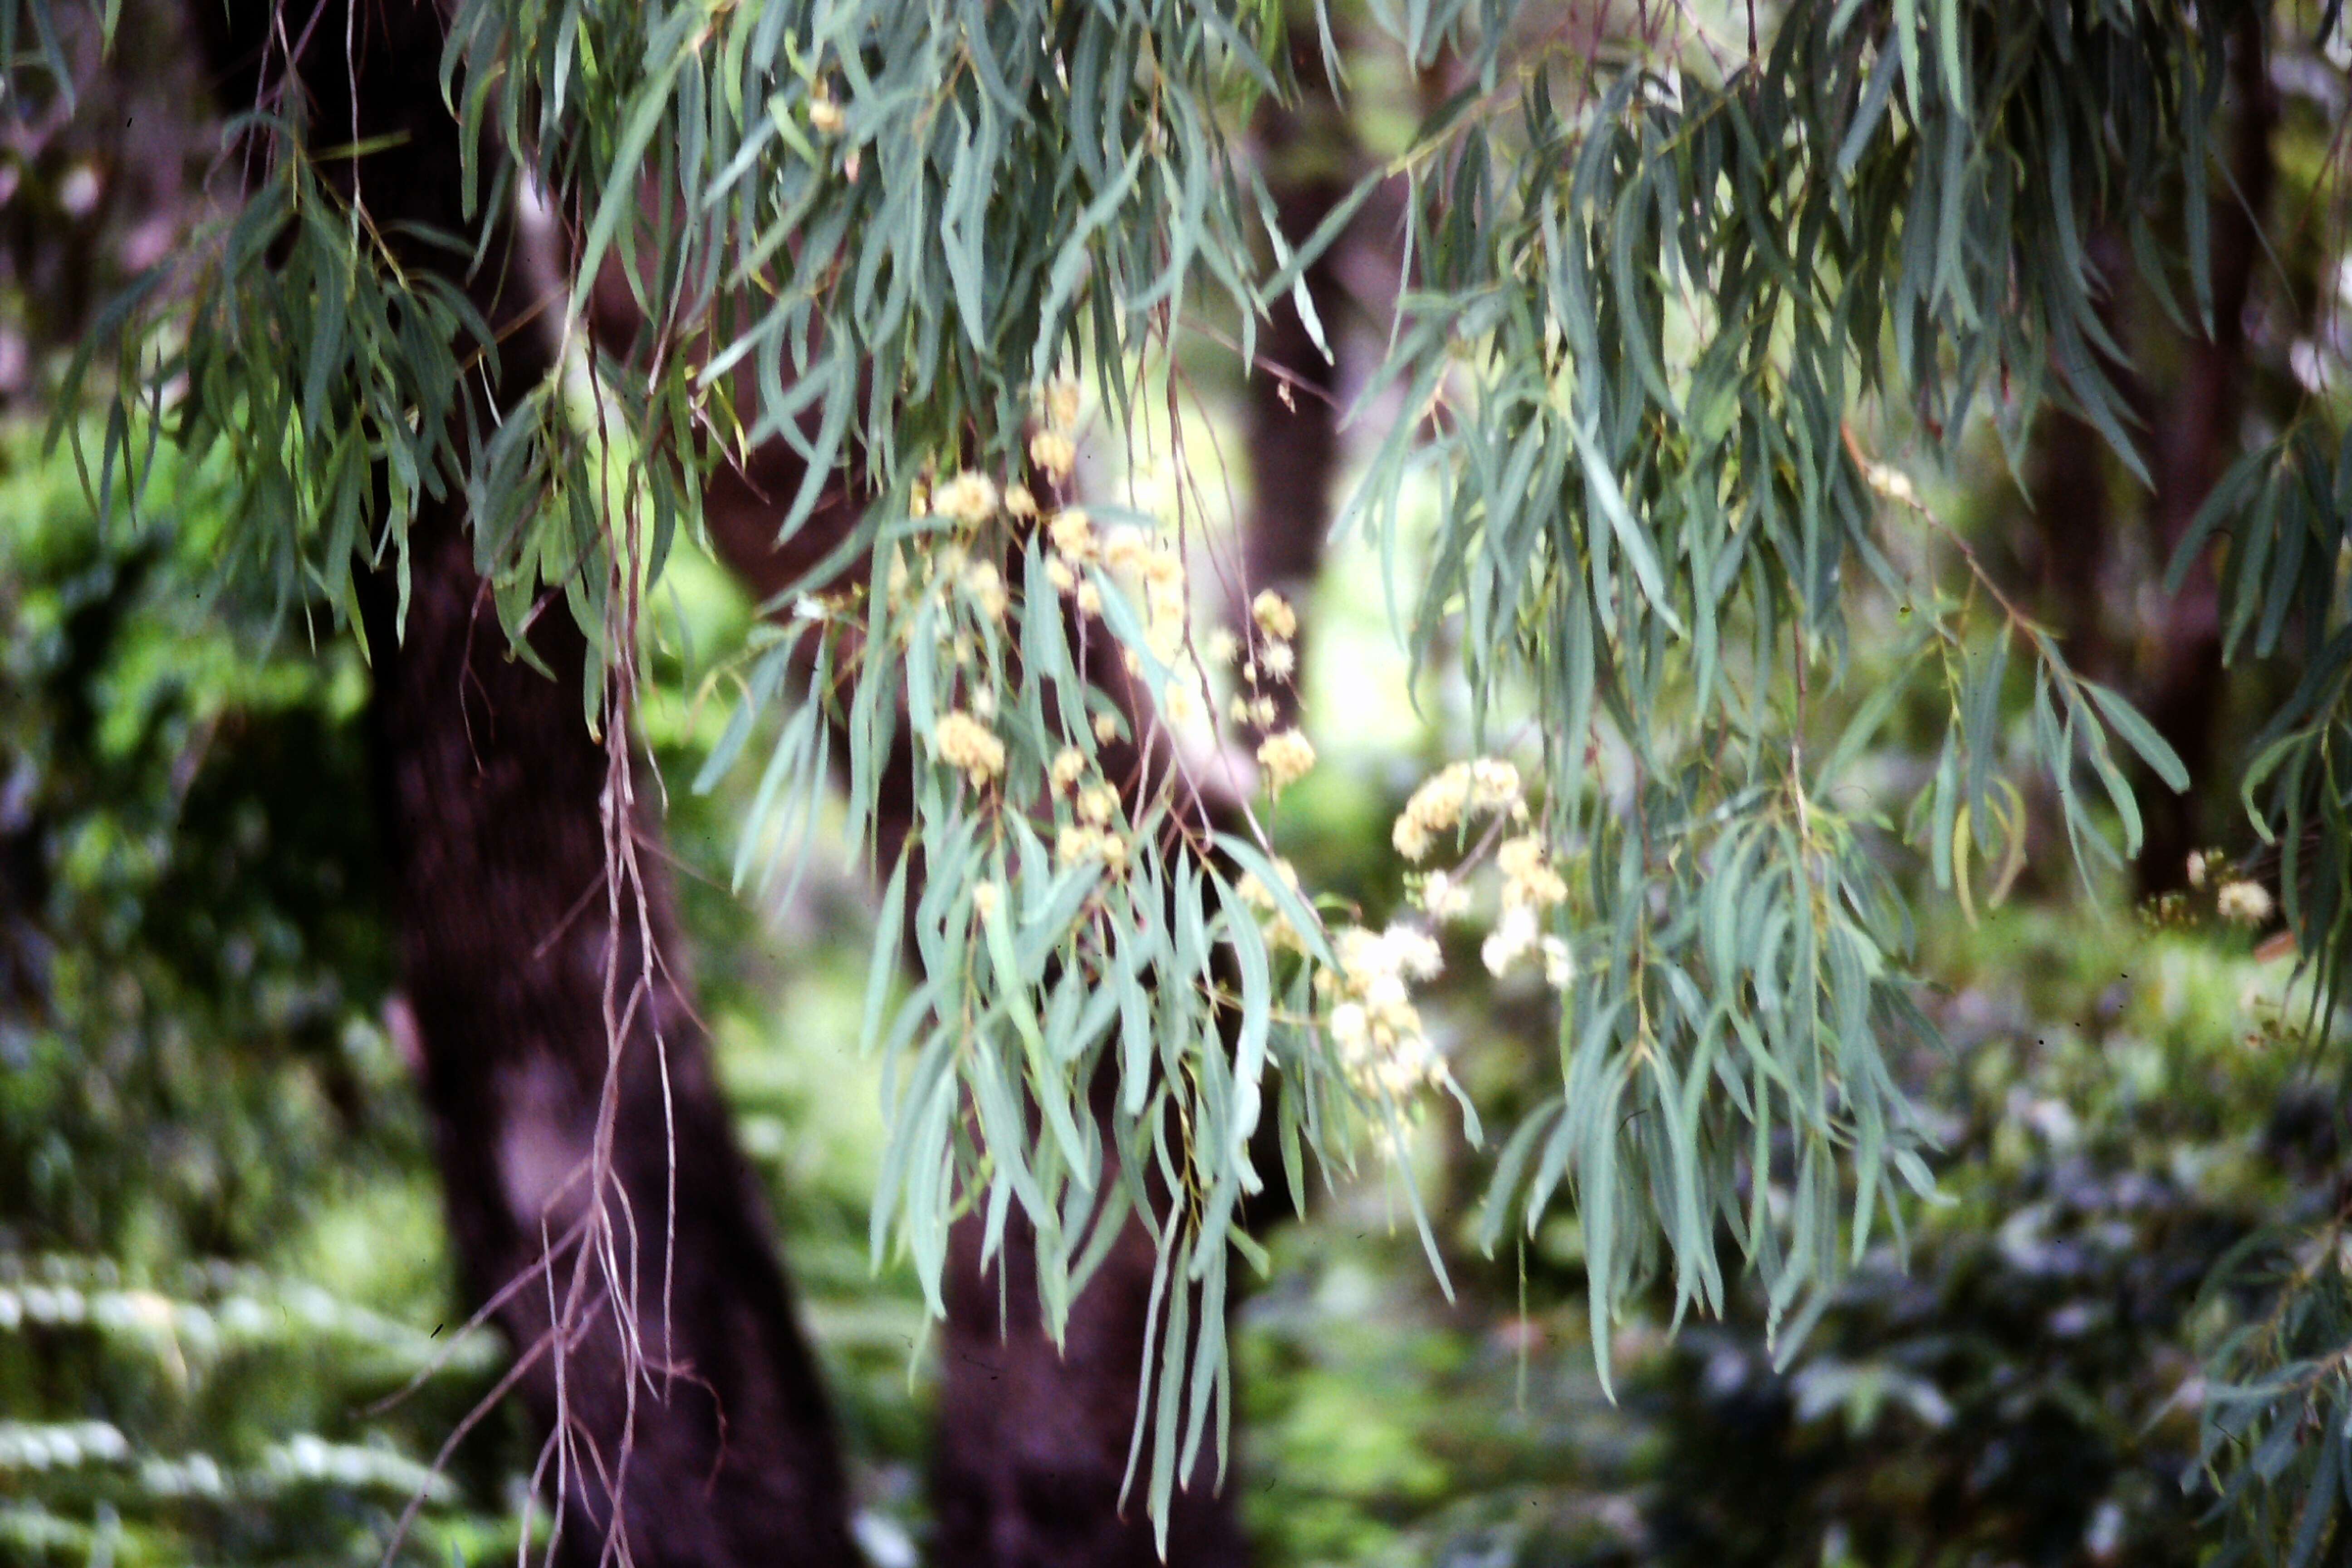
(986, 586)
(963, 741)
(1080, 843)
(1166, 603)
(969, 498)
(1530, 883)
(1530, 886)
(2237, 899)
(1094, 835)
(1451, 796)
(1055, 449)
(1527, 876)
(1516, 935)
(1075, 544)
(2244, 903)
(1274, 615)
(1286, 757)
(1270, 658)
(1376, 1031)
(1446, 895)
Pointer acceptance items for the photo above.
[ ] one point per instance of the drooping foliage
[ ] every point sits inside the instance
(1658, 310)
(1668, 294)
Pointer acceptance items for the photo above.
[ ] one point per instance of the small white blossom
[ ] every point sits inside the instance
(1073, 533)
(1443, 897)
(1559, 963)
(1527, 876)
(986, 586)
(2244, 903)
(1182, 706)
(1376, 1032)
(1513, 938)
(1273, 614)
(1287, 757)
(1062, 403)
(1053, 452)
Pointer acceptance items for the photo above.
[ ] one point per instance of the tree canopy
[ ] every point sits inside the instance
(1696, 310)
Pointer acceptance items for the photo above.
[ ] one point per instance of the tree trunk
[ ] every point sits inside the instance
(2198, 435)
(1311, 160)
(2170, 664)
(690, 1396)
(492, 786)
(1033, 1439)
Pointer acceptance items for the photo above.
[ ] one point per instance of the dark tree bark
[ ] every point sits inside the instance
(2170, 668)
(1293, 413)
(720, 1447)
(2197, 436)
(492, 790)
(1033, 1439)
(1293, 436)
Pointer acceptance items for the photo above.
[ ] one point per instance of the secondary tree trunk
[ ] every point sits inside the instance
(2197, 435)
(721, 1448)
(1312, 161)
(1033, 1439)
(2169, 664)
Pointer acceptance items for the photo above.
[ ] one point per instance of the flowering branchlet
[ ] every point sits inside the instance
(1274, 615)
(1528, 879)
(1287, 757)
(963, 741)
(1452, 795)
(1053, 452)
(969, 498)
(1072, 535)
(2244, 903)
(1279, 931)
(986, 586)
(1376, 1031)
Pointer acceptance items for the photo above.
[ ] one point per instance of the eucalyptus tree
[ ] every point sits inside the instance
(1682, 282)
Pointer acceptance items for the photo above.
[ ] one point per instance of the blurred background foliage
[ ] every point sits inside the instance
(225, 1334)
(220, 1252)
